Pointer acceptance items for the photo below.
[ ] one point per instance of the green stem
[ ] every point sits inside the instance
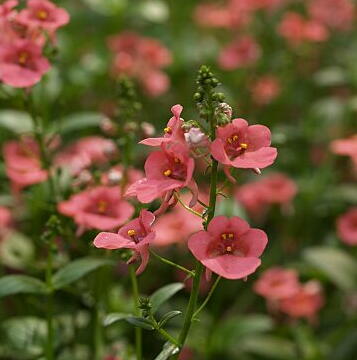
(50, 331)
(171, 263)
(213, 288)
(138, 332)
(177, 196)
(163, 332)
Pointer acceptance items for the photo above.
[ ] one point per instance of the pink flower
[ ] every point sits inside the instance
(296, 29)
(243, 146)
(277, 284)
(305, 303)
(142, 58)
(85, 152)
(266, 89)
(250, 197)
(116, 174)
(43, 14)
(347, 227)
(240, 53)
(229, 247)
(100, 208)
(22, 63)
(176, 226)
(136, 235)
(23, 165)
(7, 9)
(337, 14)
(172, 132)
(346, 147)
(166, 170)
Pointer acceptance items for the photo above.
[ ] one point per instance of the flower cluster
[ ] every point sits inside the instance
(142, 58)
(24, 35)
(283, 291)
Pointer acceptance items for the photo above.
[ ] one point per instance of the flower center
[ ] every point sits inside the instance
(167, 130)
(131, 232)
(23, 57)
(102, 206)
(167, 172)
(226, 236)
(42, 14)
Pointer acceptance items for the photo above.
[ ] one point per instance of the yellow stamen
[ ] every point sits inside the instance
(229, 140)
(131, 232)
(177, 160)
(230, 236)
(102, 206)
(243, 145)
(42, 14)
(235, 137)
(167, 172)
(167, 130)
(23, 58)
(224, 236)
(229, 248)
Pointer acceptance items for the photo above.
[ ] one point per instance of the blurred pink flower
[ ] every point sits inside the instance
(295, 29)
(241, 52)
(86, 152)
(277, 283)
(346, 147)
(136, 235)
(305, 303)
(116, 174)
(336, 14)
(7, 10)
(43, 14)
(243, 146)
(22, 162)
(172, 132)
(22, 63)
(166, 170)
(143, 58)
(101, 208)
(347, 227)
(275, 188)
(266, 89)
(229, 247)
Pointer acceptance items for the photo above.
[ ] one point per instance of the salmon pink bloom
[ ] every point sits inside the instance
(347, 147)
(43, 14)
(243, 146)
(23, 165)
(85, 152)
(22, 63)
(166, 170)
(7, 9)
(305, 303)
(172, 132)
(336, 14)
(100, 208)
(277, 283)
(266, 89)
(229, 247)
(136, 235)
(240, 53)
(347, 227)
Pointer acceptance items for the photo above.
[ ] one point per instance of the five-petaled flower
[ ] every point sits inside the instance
(100, 208)
(243, 146)
(229, 247)
(136, 235)
(166, 170)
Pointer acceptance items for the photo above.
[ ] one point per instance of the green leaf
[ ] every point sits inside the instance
(79, 121)
(114, 317)
(168, 316)
(163, 294)
(337, 265)
(18, 122)
(139, 322)
(167, 350)
(20, 284)
(76, 270)
(269, 346)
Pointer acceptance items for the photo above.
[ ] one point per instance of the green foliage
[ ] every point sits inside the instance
(163, 294)
(21, 284)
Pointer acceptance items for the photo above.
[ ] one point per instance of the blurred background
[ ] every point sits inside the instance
(288, 64)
